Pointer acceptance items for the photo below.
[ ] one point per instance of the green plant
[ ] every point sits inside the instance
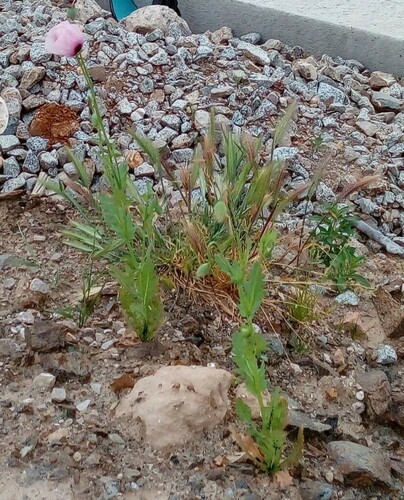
(88, 300)
(267, 432)
(302, 305)
(330, 246)
(119, 229)
(317, 143)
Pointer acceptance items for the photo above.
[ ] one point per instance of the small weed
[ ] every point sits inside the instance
(317, 143)
(302, 305)
(330, 246)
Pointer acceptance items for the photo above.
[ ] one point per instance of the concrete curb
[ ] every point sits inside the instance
(380, 48)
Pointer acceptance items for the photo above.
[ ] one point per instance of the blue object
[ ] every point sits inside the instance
(122, 8)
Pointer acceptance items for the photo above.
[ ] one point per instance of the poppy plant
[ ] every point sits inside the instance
(64, 39)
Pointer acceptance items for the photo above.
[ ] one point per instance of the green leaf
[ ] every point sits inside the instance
(220, 211)
(243, 412)
(203, 270)
(252, 292)
(267, 244)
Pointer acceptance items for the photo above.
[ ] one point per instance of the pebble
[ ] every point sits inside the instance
(58, 394)
(45, 382)
(386, 355)
(347, 298)
(39, 286)
(81, 407)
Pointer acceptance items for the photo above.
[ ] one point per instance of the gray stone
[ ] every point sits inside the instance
(11, 167)
(182, 155)
(359, 464)
(8, 142)
(48, 160)
(160, 59)
(83, 405)
(44, 382)
(58, 394)
(39, 286)
(315, 490)
(368, 128)
(253, 38)
(326, 92)
(254, 53)
(9, 283)
(172, 121)
(324, 194)
(31, 163)
(146, 86)
(10, 349)
(38, 53)
(143, 185)
(385, 102)
(14, 184)
(386, 355)
(347, 298)
(125, 107)
(37, 144)
(285, 153)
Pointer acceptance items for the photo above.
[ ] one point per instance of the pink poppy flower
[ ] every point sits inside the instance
(64, 39)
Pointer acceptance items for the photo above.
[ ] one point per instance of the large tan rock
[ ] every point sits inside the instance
(175, 405)
(152, 17)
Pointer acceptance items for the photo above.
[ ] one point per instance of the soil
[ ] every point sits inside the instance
(77, 455)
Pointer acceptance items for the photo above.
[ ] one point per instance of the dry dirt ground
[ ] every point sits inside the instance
(53, 451)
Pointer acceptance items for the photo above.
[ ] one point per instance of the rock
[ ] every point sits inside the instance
(328, 92)
(44, 382)
(175, 404)
(8, 142)
(45, 336)
(31, 77)
(254, 53)
(38, 54)
(368, 128)
(14, 184)
(12, 99)
(39, 286)
(386, 355)
(154, 17)
(87, 9)
(284, 154)
(306, 70)
(385, 102)
(378, 80)
(360, 465)
(202, 120)
(325, 194)
(83, 405)
(347, 298)
(11, 167)
(58, 394)
(68, 363)
(253, 38)
(377, 389)
(315, 490)
(10, 349)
